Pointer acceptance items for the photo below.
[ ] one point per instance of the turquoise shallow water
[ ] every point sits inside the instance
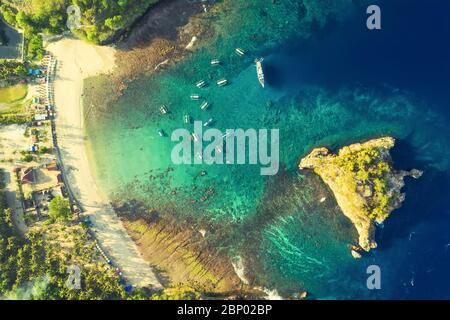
(326, 86)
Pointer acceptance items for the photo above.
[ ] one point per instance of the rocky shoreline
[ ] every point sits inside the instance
(366, 186)
(157, 41)
(181, 254)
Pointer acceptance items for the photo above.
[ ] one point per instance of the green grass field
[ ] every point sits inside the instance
(15, 113)
(13, 93)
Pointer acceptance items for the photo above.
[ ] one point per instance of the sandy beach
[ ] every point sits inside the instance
(77, 60)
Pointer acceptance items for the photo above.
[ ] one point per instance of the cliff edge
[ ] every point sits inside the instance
(366, 186)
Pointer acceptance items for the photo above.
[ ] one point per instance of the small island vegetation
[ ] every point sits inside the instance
(366, 186)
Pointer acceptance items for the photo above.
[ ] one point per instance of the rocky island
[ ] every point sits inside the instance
(366, 186)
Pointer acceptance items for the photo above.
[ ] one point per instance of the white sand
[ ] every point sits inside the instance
(12, 141)
(77, 60)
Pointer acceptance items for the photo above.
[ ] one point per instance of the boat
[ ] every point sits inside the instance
(194, 137)
(204, 105)
(222, 82)
(215, 62)
(195, 96)
(187, 118)
(200, 84)
(207, 123)
(161, 133)
(259, 71)
(240, 52)
(163, 109)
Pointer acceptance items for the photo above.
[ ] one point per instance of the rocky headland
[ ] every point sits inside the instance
(366, 186)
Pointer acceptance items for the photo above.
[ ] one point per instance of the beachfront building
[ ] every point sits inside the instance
(28, 177)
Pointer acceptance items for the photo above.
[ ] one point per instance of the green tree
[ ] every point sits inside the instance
(59, 209)
(22, 20)
(115, 22)
(36, 48)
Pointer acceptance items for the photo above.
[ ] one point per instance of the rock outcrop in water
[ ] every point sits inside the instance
(366, 186)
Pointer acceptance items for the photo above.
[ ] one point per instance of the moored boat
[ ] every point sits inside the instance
(222, 82)
(215, 62)
(195, 96)
(209, 122)
(204, 105)
(163, 109)
(260, 71)
(240, 52)
(200, 84)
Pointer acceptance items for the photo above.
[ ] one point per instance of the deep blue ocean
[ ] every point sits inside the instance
(410, 53)
(340, 84)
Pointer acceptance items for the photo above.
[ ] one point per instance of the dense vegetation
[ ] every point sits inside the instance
(100, 19)
(59, 209)
(371, 172)
(15, 114)
(12, 69)
(32, 267)
(177, 293)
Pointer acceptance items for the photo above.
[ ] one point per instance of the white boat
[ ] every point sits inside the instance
(222, 82)
(163, 109)
(195, 96)
(200, 84)
(194, 137)
(187, 118)
(207, 123)
(204, 105)
(215, 62)
(161, 133)
(240, 52)
(260, 71)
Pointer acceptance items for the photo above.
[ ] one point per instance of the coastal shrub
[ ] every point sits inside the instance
(12, 69)
(59, 209)
(36, 49)
(100, 19)
(177, 293)
(370, 170)
(14, 119)
(43, 149)
(27, 158)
